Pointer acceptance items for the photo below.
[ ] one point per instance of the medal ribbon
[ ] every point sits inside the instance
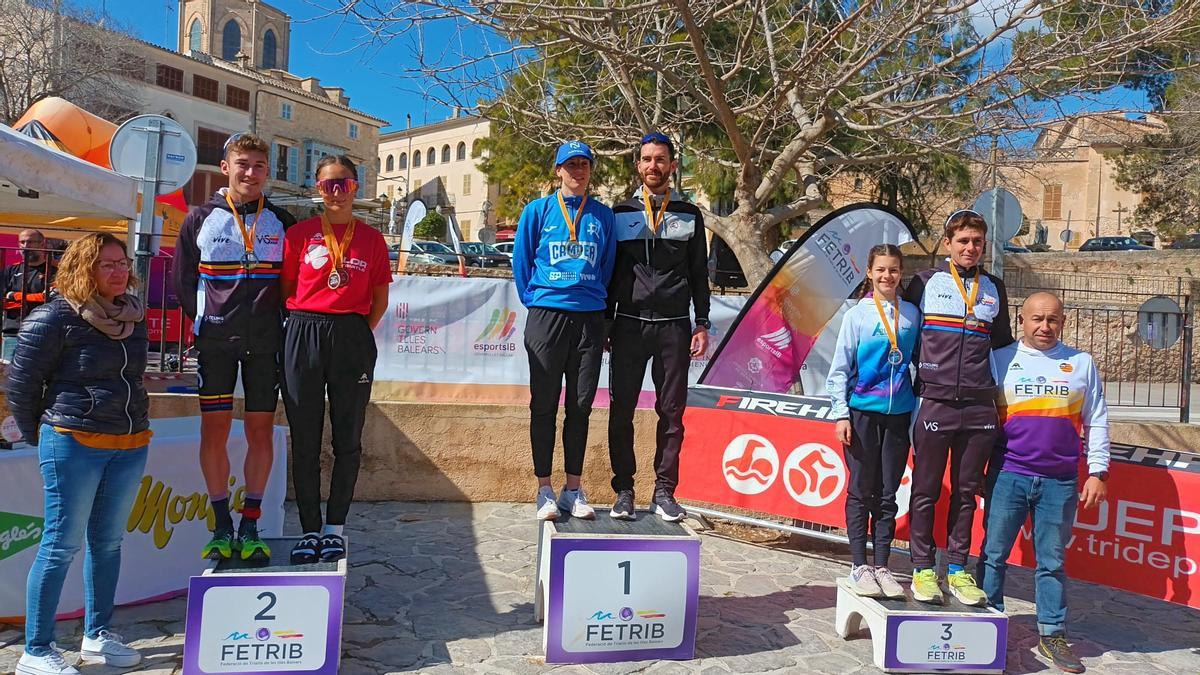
(893, 330)
(247, 234)
(963, 290)
(337, 249)
(572, 225)
(651, 219)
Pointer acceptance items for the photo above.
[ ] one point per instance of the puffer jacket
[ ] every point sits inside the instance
(70, 375)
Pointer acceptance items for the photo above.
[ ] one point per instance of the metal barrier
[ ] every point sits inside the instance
(23, 288)
(1102, 319)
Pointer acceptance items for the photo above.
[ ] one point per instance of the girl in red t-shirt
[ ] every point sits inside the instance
(336, 274)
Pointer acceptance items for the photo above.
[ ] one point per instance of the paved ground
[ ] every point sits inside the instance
(446, 588)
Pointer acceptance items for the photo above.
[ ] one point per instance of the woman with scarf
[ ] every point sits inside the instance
(75, 390)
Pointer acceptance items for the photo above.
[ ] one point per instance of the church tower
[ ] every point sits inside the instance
(229, 29)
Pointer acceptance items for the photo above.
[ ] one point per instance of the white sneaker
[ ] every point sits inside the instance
(110, 649)
(575, 503)
(888, 584)
(53, 663)
(547, 505)
(862, 580)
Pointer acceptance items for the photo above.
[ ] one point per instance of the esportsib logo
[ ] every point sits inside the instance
(775, 342)
(494, 339)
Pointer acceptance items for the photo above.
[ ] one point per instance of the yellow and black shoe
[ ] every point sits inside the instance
(220, 548)
(253, 548)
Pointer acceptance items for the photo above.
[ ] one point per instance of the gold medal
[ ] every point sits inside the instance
(969, 320)
(653, 220)
(249, 260)
(572, 223)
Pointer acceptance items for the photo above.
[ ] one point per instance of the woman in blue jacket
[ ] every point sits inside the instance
(75, 390)
(872, 394)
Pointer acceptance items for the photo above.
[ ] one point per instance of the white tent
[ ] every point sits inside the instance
(38, 180)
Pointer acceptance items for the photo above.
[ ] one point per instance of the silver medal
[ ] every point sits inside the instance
(249, 259)
(895, 357)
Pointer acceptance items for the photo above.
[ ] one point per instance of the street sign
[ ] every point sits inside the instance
(1160, 321)
(130, 151)
(1065, 236)
(1001, 210)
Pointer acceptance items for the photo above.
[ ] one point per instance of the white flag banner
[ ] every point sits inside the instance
(454, 339)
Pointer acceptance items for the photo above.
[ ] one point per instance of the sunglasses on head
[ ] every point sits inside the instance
(333, 186)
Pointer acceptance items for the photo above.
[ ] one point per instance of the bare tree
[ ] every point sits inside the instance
(47, 49)
(785, 95)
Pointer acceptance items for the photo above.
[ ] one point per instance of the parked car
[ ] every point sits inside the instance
(781, 250)
(1187, 241)
(1114, 244)
(432, 253)
(480, 254)
(505, 247)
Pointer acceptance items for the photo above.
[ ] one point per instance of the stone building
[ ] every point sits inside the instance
(438, 162)
(220, 81)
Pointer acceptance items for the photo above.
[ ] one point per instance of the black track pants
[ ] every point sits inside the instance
(562, 345)
(334, 353)
(666, 345)
(876, 457)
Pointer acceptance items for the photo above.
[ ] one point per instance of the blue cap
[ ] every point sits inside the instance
(573, 149)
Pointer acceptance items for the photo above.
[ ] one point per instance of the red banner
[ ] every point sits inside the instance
(777, 454)
(154, 325)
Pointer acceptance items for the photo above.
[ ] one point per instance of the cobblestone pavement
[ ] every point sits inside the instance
(446, 588)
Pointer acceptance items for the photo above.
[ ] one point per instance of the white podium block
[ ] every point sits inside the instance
(612, 590)
(915, 637)
(268, 619)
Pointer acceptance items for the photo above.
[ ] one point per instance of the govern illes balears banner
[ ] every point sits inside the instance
(770, 347)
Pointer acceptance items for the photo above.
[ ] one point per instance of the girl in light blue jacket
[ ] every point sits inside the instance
(872, 395)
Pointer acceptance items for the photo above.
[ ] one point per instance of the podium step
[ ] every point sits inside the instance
(604, 525)
(281, 561)
(908, 604)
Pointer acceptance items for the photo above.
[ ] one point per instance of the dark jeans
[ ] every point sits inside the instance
(964, 433)
(667, 346)
(876, 457)
(334, 353)
(1013, 497)
(562, 345)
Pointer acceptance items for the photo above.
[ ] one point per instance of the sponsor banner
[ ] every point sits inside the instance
(786, 334)
(167, 526)
(777, 454)
(447, 339)
(157, 320)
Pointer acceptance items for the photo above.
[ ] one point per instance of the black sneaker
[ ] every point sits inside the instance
(1055, 648)
(623, 508)
(333, 548)
(667, 508)
(305, 550)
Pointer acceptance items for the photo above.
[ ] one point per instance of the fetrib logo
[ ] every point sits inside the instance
(814, 475)
(750, 464)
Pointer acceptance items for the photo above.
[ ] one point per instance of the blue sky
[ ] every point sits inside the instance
(328, 48)
(322, 47)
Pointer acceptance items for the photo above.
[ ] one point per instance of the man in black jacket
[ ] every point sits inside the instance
(228, 261)
(661, 273)
(25, 282)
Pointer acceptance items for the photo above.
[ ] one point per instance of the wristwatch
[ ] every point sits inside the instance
(1102, 475)
(703, 323)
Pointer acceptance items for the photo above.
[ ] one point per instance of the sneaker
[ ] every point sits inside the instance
(1055, 648)
(220, 547)
(305, 550)
(962, 585)
(862, 580)
(575, 503)
(925, 587)
(332, 548)
(53, 663)
(547, 504)
(109, 649)
(623, 508)
(667, 508)
(888, 584)
(253, 548)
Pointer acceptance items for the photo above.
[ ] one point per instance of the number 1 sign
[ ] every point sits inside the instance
(621, 599)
